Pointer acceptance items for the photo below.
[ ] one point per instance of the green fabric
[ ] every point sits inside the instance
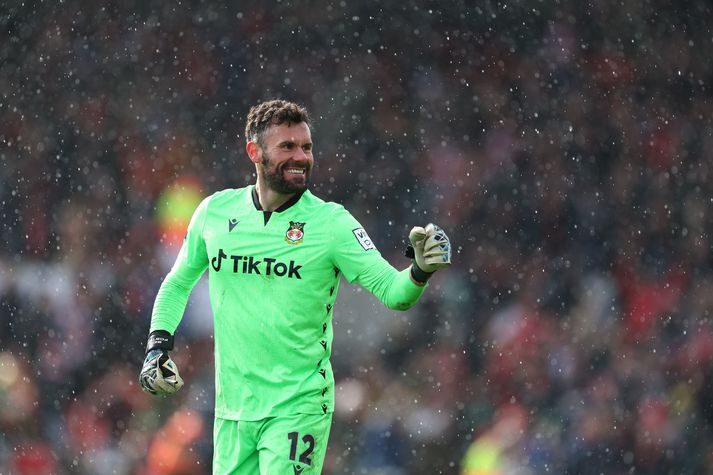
(272, 289)
(235, 447)
(285, 444)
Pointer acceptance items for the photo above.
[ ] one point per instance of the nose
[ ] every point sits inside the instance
(301, 155)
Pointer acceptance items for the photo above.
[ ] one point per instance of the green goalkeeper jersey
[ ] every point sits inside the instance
(273, 281)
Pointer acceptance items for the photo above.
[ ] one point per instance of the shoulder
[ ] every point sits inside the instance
(219, 201)
(225, 197)
(328, 209)
(228, 194)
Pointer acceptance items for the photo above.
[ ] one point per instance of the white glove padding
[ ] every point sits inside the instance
(431, 247)
(159, 376)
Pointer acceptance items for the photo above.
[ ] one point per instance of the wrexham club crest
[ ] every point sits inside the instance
(295, 233)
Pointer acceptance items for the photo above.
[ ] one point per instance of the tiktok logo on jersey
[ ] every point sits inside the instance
(251, 265)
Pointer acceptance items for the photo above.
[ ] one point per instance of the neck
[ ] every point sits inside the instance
(270, 200)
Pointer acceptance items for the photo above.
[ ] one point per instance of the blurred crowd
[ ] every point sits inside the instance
(564, 146)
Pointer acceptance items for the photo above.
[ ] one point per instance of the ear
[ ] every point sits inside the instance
(253, 150)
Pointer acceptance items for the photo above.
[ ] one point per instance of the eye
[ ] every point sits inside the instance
(288, 146)
(307, 147)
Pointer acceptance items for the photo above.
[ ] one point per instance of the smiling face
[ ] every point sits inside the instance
(283, 157)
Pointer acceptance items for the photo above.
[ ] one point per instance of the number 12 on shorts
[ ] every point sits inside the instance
(304, 456)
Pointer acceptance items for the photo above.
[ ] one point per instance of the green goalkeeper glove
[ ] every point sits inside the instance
(431, 251)
(159, 375)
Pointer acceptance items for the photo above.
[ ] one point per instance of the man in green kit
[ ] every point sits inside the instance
(274, 253)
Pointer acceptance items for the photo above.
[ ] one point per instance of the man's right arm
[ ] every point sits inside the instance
(190, 264)
(159, 374)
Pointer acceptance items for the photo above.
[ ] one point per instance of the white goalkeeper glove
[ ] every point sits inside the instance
(159, 375)
(431, 251)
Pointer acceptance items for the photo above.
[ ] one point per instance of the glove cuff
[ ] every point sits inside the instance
(418, 274)
(159, 340)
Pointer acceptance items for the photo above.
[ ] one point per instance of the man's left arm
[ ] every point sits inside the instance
(359, 260)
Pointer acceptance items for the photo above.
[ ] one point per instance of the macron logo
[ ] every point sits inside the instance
(232, 223)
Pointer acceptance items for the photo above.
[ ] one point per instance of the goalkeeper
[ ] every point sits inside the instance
(274, 254)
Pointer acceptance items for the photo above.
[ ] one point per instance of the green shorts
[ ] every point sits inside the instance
(273, 446)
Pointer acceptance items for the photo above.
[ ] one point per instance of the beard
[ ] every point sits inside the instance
(275, 177)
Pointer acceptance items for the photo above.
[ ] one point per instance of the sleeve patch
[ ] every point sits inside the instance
(363, 239)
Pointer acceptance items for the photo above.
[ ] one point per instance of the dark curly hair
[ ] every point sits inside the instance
(274, 112)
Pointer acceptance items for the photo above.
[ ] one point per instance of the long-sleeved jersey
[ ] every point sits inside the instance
(273, 280)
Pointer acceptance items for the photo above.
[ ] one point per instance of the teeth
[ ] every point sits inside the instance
(299, 171)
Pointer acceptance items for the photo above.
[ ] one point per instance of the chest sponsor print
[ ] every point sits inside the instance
(255, 265)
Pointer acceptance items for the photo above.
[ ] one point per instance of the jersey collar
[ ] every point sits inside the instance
(287, 204)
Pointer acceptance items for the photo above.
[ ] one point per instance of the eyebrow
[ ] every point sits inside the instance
(291, 142)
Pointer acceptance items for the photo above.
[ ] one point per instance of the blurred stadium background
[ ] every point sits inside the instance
(565, 146)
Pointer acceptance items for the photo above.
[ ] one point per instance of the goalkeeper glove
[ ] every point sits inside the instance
(430, 251)
(159, 375)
